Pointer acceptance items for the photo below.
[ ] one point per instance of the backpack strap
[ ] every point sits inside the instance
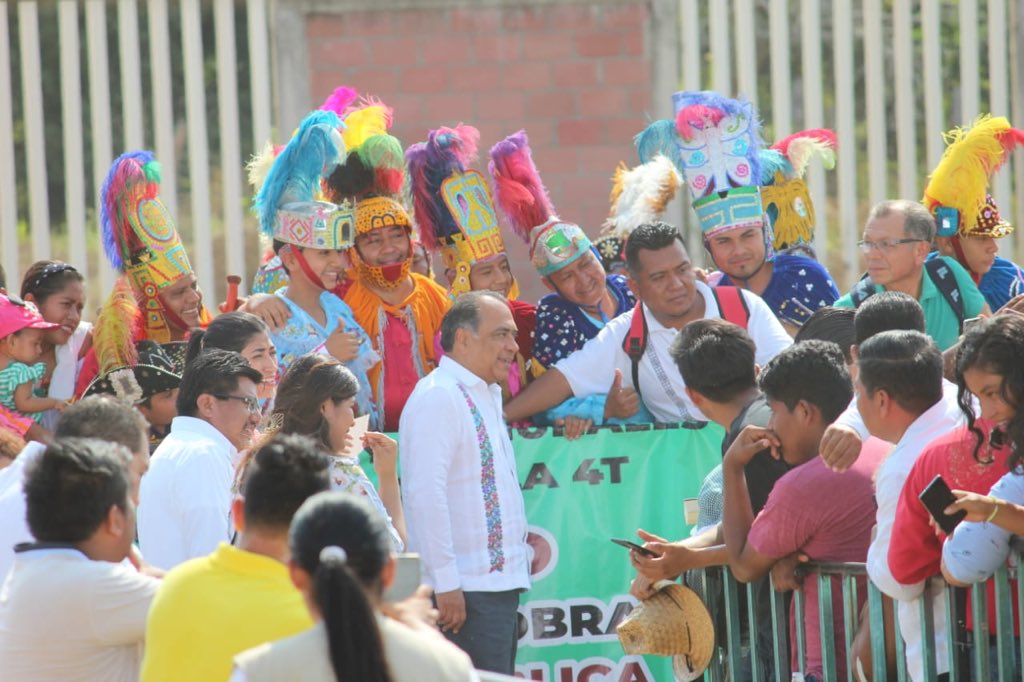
(635, 343)
(945, 281)
(732, 307)
(862, 290)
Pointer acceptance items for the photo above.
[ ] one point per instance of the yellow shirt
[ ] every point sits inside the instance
(212, 608)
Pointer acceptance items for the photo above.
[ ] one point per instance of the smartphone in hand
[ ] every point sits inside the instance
(635, 547)
(935, 498)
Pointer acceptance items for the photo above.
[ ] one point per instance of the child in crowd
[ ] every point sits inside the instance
(21, 333)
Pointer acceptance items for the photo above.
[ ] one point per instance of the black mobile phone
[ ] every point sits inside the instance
(935, 498)
(632, 545)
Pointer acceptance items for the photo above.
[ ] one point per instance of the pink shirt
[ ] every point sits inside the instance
(828, 516)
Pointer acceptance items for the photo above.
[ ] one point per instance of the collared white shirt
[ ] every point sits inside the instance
(185, 497)
(590, 370)
(13, 526)
(937, 420)
(66, 617)
(466, 539)
(851, 415)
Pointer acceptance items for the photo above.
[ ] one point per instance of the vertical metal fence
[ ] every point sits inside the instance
(751, 647)
(99, 77)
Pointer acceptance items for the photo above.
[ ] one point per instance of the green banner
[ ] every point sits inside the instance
(578, 495)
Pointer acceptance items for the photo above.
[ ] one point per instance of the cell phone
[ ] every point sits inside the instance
(632, 545)
(935, 498)
(407, 578)
(970, 322)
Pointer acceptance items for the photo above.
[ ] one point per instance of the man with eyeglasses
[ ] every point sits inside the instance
(185, 498)
(896, 242)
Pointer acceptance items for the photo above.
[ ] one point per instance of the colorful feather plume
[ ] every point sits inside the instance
(313, 153)
(519, 192)
(660, 137)
(117, 328)
(340, 100)
(639, 195)
(773, 161)
(133, 177)
(973, 153)
(800, 148)
(259, 165)
(430, 163)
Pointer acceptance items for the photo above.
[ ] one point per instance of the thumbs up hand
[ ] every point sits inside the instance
(343, 345)
(622, 402)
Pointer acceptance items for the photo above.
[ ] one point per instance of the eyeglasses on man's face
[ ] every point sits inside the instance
(251, 404)
(884, 245)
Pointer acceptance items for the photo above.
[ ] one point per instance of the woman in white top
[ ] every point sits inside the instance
(58, 290)
(317, 398)
(341, 561)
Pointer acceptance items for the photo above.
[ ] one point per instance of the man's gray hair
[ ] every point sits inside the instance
(918, 222)
(465, 314)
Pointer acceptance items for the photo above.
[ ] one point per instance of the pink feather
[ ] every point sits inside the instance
(1011, 140)
(519, 192)
(693, 115)
(341, 99)
(461, 141)
(823, 135)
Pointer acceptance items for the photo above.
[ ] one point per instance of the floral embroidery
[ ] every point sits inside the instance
(488, 486)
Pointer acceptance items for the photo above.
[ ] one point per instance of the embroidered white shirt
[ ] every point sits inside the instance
(464, 539)
(590, 370)
(185, 497)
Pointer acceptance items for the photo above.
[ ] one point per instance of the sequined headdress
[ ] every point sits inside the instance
(715, 142)
(452, 202)
(287, 202)
(957, 190)
(523, 201)
(140, 238)
(784, 194)
(371, 175)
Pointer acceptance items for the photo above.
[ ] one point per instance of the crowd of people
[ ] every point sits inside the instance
(183, 496)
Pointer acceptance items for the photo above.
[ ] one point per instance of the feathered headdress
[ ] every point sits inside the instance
(640, 194)
(715, 142)
(259, 165)
(140, 238)
(117, 329)
(784, 194)
(452, 202)
(524, 203)
(374, 163)
(957, 190)
(286, 202)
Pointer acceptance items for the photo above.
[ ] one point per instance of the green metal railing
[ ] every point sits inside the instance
(754, 646)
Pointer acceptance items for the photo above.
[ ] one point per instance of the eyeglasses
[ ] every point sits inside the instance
(885, 245)
(251, 404)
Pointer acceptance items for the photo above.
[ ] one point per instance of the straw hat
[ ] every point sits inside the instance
(674, 622)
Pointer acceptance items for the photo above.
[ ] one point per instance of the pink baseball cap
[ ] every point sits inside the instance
(16, 315)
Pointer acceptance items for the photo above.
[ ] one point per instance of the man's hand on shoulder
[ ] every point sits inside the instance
(840, 447)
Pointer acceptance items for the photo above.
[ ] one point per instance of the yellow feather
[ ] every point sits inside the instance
(363, 124)
(114, 332)
(259, 166)
(961, 179)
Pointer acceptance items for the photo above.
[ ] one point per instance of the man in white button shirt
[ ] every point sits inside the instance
(185, 498)
(463, 503)
(664, 280)
(899, 396)
(71, 609)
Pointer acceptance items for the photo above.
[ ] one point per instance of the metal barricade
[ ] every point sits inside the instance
(751, 647)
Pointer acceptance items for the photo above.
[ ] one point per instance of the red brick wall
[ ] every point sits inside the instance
(576, 77)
